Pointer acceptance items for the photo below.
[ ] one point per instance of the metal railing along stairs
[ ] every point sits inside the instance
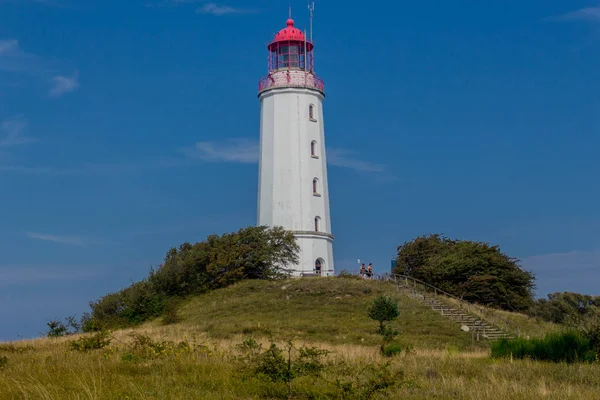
(481, 322)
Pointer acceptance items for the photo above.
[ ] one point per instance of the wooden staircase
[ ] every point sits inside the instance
(482, 323)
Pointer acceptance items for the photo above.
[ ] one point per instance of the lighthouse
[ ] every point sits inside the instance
(292, 188)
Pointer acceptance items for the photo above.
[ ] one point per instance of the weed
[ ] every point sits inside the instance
(3, 362)
(130, 357)
(56, 329)
(11, 348)
(391, 350)
(567, 347)
(96, 341)
(282, 365)
(170, 313)
(369, 382)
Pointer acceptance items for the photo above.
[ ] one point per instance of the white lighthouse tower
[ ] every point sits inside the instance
(292, 187)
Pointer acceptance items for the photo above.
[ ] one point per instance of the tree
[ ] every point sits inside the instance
(566, 308)
(383, 309)
(219, 261)
(476, 271)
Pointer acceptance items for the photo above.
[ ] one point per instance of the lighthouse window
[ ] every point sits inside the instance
(313, 149)
(316, 187)
(289, 56)
(317, 223)
(311, 112)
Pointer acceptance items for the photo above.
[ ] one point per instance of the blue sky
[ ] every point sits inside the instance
(129, 127)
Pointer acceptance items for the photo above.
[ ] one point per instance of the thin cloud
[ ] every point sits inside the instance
(23, 274)
(13, 59)
(12, 133)
(242, 151)
(8, 46)
(66, 240)
(349, 159)
(220, 10)
(247, 151)
(28, 170)
(45, 2)
(64, 85)
(235, 151)
(575, 271)
(589, 14)
(564, 262)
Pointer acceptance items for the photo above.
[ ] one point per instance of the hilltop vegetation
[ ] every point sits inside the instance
(332, 310)
(475, 271)
(219, 261)
(200, 357)
(233, 326)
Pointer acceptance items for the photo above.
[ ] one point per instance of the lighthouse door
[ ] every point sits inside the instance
(319, 266)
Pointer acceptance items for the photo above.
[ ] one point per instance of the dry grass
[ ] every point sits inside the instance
(532, 327)
(327, 313)
(47, 369)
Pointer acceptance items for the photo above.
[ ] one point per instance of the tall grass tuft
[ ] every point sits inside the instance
(570, 347)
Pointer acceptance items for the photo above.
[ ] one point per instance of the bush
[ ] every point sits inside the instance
(56, 329)
(170, 315)
(219, 261)
(391, 349)
(281, 365)
(567, 347)
(566, 308)
(476, 271)
(144, 348)
(3, 362)
(96, 341)
(383, 309)
(372, 381)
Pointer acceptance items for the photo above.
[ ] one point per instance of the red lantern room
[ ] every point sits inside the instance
(291, 62)
(290, 50)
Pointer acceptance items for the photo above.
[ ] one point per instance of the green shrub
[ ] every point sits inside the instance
(130, 357)
(170, 314)
(3, 362)
(370, 382)
(567, 347)
(56, 329)
(96, 341)
(475, 271)
(281, 365)
(391, 349)
(383, 309)
(190, 269)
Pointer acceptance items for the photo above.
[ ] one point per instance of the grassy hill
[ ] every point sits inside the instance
(330, 310)
(198, 358)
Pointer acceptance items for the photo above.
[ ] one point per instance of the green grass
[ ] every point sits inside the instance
(332, 310)
(326, 313)
(568, 347)
(530, 327)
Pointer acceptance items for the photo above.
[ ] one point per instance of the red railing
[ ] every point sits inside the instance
(292, 79)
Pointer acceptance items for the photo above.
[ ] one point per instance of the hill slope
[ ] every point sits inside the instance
(199, 358)
(332, 310)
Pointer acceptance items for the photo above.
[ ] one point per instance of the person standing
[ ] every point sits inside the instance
(370, 271)
(363, 271)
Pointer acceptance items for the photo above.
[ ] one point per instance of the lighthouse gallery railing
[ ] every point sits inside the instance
(293, 79)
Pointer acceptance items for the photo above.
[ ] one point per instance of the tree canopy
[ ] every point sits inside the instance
(567, 308)
(476, 271)
(219, 261)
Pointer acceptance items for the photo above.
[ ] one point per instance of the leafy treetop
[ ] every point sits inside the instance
(476, 271)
